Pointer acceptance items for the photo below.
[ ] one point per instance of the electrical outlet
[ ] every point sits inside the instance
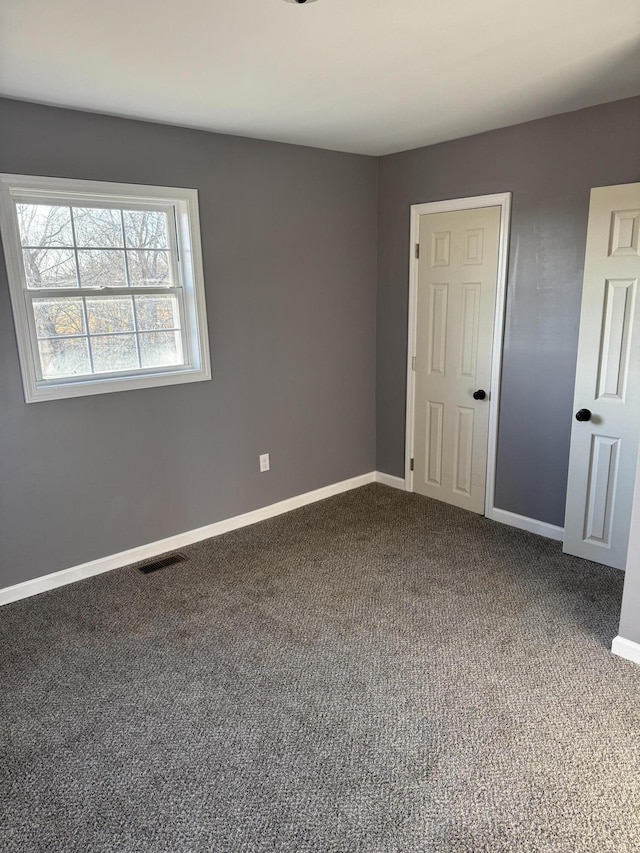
(265, 465)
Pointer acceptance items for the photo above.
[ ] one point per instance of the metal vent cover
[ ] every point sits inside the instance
(162, 563)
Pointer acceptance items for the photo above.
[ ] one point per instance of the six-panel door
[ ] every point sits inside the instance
(457, 278)
(604, 440)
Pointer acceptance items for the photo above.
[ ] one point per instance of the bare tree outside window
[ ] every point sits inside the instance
(98, 248)
(106, 283)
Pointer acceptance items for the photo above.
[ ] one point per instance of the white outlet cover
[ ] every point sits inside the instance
(264, 462)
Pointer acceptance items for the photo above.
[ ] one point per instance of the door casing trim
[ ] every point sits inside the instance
(502, 200)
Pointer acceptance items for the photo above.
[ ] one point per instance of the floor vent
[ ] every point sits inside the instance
(162, 563)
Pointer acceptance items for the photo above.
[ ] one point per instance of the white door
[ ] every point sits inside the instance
(457, 282)
(604, 437)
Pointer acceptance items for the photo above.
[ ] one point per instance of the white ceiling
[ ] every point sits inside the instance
(369, 76)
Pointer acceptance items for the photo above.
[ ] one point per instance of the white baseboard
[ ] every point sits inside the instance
(390, 480)
(162, 546)
(181, 540)
(626, 649)
(525, 523)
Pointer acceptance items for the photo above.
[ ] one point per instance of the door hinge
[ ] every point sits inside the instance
(413, 363)
(417, 250)
(411, 465)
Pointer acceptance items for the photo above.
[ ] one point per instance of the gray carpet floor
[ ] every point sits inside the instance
(377, 672)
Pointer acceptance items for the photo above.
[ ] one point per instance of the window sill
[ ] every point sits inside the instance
(64, 390)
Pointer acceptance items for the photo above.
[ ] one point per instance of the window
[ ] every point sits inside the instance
(106, 285)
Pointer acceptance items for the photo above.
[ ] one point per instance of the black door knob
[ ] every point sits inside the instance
(479, 395)
(583, 415)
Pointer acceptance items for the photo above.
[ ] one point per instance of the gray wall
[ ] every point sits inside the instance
(549, 166)
(289, 241)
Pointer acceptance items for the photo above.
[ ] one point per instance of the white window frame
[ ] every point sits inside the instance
(186, 251)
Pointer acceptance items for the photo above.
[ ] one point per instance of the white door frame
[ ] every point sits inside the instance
(502, 200)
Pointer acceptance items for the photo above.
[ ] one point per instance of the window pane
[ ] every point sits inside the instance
(117, 352)
(160, 349)
(98, 227)
(58, 317)
(50, 268)
(64, 357)
(101, 268)
(146, 229)
(157, 312)
(149, 269)
(44, 225)
(110, 314)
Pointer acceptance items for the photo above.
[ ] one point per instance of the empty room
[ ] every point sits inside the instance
(319, 426)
